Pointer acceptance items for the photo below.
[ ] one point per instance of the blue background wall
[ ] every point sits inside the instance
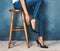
(51, 11)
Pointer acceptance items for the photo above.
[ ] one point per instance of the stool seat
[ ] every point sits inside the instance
(15, 10)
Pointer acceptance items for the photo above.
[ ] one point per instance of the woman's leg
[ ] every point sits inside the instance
(36, 4)
(41, 28)
(41, 24)
(30, 4)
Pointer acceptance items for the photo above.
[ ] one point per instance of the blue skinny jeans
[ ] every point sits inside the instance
(34, 12)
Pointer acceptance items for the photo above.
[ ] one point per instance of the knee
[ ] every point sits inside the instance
(17, 5)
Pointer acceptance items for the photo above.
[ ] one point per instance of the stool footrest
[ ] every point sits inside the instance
(18, 28)
(21, 27)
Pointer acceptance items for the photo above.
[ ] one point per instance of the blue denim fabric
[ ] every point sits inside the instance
(33, 12)
(41, 24)
(30, 4)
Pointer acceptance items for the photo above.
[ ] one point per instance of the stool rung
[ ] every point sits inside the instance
(21, 27)
(17, 29)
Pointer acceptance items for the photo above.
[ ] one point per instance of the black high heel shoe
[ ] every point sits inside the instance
(39, 44)
(33, 29)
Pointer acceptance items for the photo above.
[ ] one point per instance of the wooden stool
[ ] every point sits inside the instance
(12, 28)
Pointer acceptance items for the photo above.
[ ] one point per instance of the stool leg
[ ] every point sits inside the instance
(10, 36)
(26, 34)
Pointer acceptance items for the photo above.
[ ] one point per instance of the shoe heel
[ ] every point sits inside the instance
(38, 45)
